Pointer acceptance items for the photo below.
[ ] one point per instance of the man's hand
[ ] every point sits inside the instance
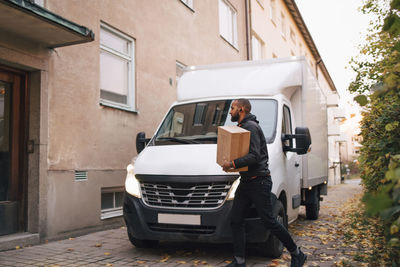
(226, 165)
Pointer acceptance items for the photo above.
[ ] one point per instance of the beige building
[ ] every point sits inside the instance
(73, 98)
(278, 30)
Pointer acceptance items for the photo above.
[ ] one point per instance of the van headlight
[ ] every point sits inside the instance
(132, 185)
(231, 194)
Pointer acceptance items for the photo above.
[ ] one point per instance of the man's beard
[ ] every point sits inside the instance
(235, 117)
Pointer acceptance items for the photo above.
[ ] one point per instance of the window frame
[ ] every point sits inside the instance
(131, 75)
(182, 67)
(260, 45)
(272, 11)
(111, 212)
(234, 33)
(283, 26)
(188, 4)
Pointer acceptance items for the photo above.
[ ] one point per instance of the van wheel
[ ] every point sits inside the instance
(273, 248)
(142, 243)
(312, 208)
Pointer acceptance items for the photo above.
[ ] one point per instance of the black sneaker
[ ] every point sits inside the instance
(235, 264)
(298, 260)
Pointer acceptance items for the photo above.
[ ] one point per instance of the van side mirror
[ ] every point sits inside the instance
(141, 141)
(303, 141)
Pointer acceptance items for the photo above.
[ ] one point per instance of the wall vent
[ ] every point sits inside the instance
(81, 175)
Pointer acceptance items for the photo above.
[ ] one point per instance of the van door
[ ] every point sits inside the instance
(292, 165)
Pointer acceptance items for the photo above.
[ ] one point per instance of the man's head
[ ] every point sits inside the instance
(239, 109)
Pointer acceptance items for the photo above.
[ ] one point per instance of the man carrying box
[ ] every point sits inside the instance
(254, 188)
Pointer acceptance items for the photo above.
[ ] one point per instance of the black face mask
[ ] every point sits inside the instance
(235, 117)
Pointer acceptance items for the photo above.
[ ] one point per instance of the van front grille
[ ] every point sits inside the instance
(185, 195)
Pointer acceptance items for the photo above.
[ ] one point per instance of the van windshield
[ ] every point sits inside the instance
(197, 123)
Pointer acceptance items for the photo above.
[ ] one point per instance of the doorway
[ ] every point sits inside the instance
(13, 125)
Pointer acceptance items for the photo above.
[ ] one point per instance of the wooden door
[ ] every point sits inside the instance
(13, 122)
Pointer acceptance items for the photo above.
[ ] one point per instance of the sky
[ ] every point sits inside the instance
(337, 28)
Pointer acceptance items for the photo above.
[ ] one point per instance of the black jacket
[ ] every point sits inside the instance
(257, 159)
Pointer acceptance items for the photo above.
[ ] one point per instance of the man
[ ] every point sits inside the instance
(255, 188)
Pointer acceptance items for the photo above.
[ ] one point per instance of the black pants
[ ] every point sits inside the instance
(258, 192)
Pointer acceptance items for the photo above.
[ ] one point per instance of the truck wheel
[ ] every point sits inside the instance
(312, 208)
(142, 243)
(273, 248)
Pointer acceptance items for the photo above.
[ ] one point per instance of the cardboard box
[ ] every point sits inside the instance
(233, 143)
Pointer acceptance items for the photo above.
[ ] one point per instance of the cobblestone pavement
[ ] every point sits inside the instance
(112, 247)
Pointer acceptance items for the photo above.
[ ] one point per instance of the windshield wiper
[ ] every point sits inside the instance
(178, 140)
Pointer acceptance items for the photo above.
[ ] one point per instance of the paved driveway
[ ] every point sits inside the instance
(112, 247)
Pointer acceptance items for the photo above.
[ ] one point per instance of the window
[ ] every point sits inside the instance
(261, 3)
(292, 53)
(179, 71)
(188, 3)
(283, 26)
(272, 11)
(228, 22)
(292, 36)
(117, 76)
(111, 202)
(256, 48)
(300, 49)
(274, 55)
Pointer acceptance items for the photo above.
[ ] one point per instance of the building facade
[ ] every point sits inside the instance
(80, 94)
(278, 30)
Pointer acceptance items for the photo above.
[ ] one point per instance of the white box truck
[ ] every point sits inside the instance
(175, 190)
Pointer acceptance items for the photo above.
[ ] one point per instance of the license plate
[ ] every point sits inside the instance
(179, 218)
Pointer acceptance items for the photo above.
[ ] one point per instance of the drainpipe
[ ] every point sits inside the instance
(248, 27)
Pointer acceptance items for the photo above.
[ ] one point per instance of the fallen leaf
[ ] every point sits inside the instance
(98, 245)
(165, 258)
(107, 253)
(17, 247)
(70, 249)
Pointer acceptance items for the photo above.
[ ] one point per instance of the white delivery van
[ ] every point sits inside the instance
(175, 190)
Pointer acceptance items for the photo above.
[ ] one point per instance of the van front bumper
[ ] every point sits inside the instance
(143, 223)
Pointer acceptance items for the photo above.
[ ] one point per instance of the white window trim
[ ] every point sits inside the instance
(283, 26)
(261, 44)
(188, 4)
(272, 11)
(131, 106)
(182, 66)
(111, 213)
(234, 42)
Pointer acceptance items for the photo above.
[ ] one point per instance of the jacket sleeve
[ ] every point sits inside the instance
(254, 150)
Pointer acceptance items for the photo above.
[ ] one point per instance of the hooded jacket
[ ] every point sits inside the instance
(257, 158)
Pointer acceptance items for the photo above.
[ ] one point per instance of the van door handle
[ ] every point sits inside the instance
(296, 164)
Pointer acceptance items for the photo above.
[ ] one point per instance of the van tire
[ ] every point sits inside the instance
(273, 248)
(139, 243)
(312, 207)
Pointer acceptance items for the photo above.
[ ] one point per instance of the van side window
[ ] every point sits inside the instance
(286, 123)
